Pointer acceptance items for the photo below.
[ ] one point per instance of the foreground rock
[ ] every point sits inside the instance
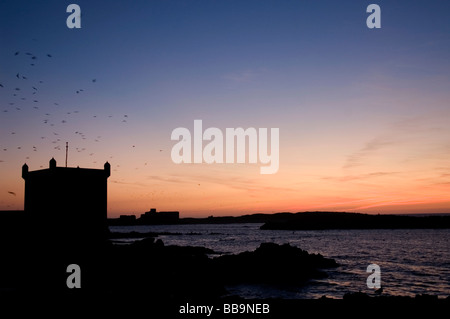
(272, 263)
(149, 268)
(190, 272)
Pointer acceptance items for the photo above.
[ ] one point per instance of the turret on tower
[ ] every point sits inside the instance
(107, 167)
(52, 163)
(24, 170)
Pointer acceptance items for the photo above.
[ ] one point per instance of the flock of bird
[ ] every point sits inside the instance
(22, 94)
(28, 90)
(25, 93)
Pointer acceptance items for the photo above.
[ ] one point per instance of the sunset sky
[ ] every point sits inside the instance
(363, 114)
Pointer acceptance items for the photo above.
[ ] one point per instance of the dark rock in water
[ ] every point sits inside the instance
(159, 243)
(355, 296)
(426, 297)
(149, 244)
(146, 242)
(359, 297)
(132, 234)
(272, 263)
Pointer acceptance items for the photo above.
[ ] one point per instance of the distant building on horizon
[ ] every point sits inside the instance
(67, 203)
(154, 217)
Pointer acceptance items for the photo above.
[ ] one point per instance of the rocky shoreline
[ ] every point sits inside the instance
(161, 278)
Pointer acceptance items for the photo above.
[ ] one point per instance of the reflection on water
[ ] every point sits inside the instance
(412, 261)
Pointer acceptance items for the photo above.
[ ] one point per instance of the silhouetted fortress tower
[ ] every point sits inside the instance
(67, 205)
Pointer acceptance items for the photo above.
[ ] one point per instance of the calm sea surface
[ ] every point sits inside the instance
(412, 261)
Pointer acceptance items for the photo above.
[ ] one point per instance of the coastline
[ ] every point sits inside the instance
(145, 276)
(307, 221)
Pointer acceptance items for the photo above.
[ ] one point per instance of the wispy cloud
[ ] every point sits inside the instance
(233, 182)
(398, 133)
(404, 202)
(374, 145)
(347, 178)
(128, 183)
(169, 179)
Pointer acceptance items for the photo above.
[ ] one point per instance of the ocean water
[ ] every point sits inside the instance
(412, 261)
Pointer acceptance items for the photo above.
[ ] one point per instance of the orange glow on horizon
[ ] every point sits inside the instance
(230, 190)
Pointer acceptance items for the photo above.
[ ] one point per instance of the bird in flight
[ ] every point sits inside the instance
(12, 193)
(49, 55)
(17, 53)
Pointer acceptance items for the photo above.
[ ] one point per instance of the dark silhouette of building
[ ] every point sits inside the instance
(154, 217)
(67, 204)
(127, 219)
